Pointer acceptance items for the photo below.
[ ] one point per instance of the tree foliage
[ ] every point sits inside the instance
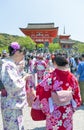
(40, 45)
(27, 42)
(54, 47)
(6, 39)
(79, 47)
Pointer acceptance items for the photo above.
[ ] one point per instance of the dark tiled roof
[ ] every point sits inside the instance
(40, 25)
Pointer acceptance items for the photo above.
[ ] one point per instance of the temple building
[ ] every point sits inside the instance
(46, 33)
(41, 32)
(65, 41)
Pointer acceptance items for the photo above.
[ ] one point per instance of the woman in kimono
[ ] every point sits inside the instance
(59, 116)
(40, 66)
(15, 99)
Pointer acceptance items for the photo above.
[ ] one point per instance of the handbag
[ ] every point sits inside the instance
(36, 112)
(37, 115)
(62, 97)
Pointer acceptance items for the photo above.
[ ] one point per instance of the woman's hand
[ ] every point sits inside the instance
(27, 76)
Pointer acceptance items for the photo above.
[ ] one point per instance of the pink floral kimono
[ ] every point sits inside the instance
(40, 66)
(58, 117)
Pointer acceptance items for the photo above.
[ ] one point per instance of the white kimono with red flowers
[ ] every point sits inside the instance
(58, 117)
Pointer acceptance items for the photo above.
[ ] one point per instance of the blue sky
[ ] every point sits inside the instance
(64, 13)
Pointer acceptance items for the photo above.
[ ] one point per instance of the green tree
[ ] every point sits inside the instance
(79, 47)
(27, 42)
(54, 47)
(40, 45)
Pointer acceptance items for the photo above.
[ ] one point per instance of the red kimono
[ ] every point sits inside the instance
(61, 116)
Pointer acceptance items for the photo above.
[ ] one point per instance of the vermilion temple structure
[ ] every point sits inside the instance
(46, 33)
(65, 41)
(41, 32)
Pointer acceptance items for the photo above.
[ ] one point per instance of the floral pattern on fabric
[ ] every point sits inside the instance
(61, 117)
(14, 85)
(12, 104)
(12, 119)
(40, 66)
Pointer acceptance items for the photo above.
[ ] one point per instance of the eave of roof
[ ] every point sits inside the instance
(38, 28)
(67, 41)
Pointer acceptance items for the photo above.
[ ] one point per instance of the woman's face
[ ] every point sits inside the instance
(19, 56)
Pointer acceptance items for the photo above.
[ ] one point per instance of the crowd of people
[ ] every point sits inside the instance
(56, 81)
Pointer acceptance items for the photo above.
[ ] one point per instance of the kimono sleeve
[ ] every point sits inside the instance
(11, 79)
(43, 91)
